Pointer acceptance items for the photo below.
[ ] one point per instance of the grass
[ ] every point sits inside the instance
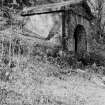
(36, 79)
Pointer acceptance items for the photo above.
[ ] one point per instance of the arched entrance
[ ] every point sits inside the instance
(80, 42)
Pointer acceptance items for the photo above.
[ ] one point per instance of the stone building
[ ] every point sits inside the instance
(74, 18)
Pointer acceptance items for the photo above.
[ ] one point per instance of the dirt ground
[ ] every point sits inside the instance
(35, 84)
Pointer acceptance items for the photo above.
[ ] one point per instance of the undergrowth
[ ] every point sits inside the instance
(23, 53)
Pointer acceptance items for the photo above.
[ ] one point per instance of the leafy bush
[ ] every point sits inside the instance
(37, 50)
(91, 58)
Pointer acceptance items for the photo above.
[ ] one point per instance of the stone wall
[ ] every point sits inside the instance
(72, 22)
(43, 24)
(62, 25)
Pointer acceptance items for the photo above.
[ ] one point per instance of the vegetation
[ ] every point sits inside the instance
(99, 23)
(31, 74)
(18, 47)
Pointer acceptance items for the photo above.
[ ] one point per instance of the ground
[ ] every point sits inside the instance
(36, 83)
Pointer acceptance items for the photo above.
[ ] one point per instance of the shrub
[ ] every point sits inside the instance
(91, 58)
(37, 50)
(97, 58)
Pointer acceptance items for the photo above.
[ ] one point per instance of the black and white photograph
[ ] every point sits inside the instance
(52, 52)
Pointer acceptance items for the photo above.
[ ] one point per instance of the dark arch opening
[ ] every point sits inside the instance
(80, 39)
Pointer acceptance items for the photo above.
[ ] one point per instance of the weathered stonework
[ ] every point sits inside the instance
(72, 21)
(76, 30)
